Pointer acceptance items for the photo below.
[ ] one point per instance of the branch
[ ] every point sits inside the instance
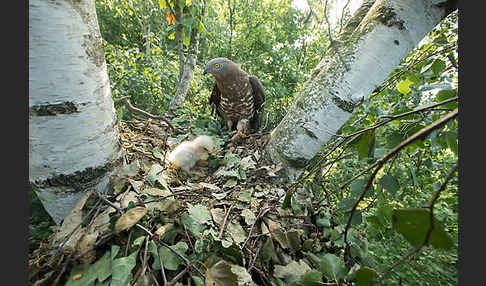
(342, 16)
(143, 112)
(160, 242)
(420, 134)
(162, 271)
(406, 141)
(328, 24)
(431, 228)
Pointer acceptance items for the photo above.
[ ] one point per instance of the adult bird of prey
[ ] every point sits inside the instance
(237, 96)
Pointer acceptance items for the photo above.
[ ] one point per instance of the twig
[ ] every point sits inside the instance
(406, 142)
(145, 113)
(225, 219)
(109, 203)
(342, 16)
(85, 218)
(64, 266)
(429, 231)
(420, 134)
(260, 214)
(162, 271)
(170, 248)
(188, 238)
(252, 264)
(331, 42)
(128, 242)
(178, 276)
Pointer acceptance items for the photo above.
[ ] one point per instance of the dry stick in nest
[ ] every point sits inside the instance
(224, 220)
(262, 212)
(145, 113)
(429, 231)
(420, 134)
(144, 263)
(188, 263)
(68, 259)
(162, 271)
(56, 254)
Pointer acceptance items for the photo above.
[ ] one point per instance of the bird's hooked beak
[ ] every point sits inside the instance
(206, 70)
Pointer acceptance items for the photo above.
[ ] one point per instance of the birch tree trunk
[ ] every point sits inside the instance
(73, 133)
(187, 75)
(374, 41)
(188, 72)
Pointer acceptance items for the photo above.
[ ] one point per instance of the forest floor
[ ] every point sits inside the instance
(223, 224)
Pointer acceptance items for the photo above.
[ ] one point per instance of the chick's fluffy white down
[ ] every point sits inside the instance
(186, 154)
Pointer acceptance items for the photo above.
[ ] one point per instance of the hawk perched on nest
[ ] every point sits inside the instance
(237, 96)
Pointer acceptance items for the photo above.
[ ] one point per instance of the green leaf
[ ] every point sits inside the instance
(114, 251)
(292, 272)
(82, 275)
(268, 250)
(452, 142)
(414, 223)
(366, 145)
(220, 274)
(384, 214)
(193, 226)
(393, 139)
(200, 213)
(444, 94)
(332, 267)
(311, 278)
(404, 86)
(155, 169)
(186, 36)
(356, 188)
(171, 261)
(197, 280)
(365, 276)
(414, 176)
(346, 204)
(122, 269)
(232, 252)
(162, 4)
(438, 67)
(287, 200)
(103, 267)
(323, 221)
(355, 220)
(390, 184)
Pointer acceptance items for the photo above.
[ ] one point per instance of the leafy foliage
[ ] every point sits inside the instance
(281, 45)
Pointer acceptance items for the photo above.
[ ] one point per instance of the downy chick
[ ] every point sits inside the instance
(188, 153)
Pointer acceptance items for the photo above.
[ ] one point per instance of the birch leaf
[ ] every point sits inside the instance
(291, 272)
(404, 86)
(130, 218)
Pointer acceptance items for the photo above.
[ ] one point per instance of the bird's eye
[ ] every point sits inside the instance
(216, 66)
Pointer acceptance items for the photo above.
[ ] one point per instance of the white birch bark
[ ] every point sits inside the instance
(73, 133)
(184, 83)
(364, 55)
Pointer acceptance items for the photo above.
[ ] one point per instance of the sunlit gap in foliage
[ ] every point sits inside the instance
(335, 7)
